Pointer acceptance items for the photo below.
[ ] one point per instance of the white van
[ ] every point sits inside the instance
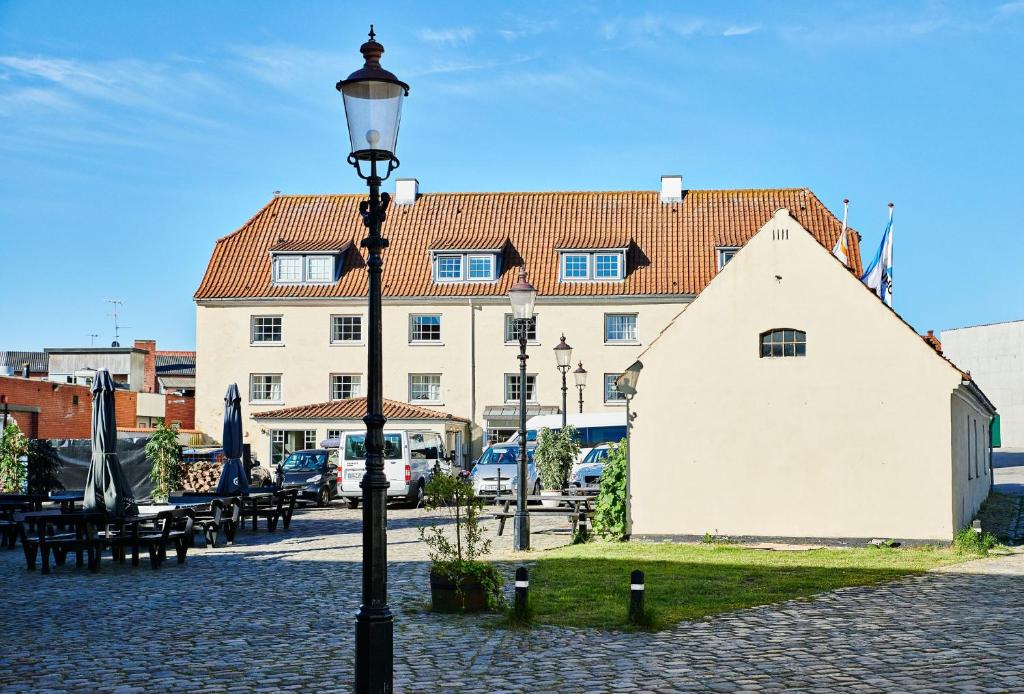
(410, 458)
(592, 429)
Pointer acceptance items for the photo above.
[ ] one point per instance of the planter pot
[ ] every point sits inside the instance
(447, 596)
(550, 503)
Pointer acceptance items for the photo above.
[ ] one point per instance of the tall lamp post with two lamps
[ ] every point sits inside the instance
(626, 384)
(373, 108)
(522, 296)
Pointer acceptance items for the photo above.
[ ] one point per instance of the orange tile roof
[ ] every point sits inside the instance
(355, 408)
(311, 245)
(671, 246)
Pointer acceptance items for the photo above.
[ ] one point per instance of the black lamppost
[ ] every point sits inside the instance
(580, 374)
(626, 384)
(373, 108)
(522, 295)
(563, 357)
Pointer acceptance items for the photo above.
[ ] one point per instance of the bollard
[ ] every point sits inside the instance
(522, 592)
(636, 597)
(582, 528)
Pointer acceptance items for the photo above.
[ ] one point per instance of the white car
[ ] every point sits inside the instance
(410, 458)
(587, 474)
(496, 471)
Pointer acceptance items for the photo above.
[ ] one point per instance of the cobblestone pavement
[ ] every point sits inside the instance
(275, 613)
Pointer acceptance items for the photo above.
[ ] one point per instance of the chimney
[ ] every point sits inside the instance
(148, 365)
(672, 188)
(26, 370)
(406, 191)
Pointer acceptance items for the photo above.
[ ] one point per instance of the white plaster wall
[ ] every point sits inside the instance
(851, 441)
(994, 354)
(972, 459)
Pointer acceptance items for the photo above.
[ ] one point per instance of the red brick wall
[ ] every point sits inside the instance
(60, 417)
(178, 408)
(125, 407)
(149, 365)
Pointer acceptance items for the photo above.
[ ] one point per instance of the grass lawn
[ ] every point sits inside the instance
(588, 585)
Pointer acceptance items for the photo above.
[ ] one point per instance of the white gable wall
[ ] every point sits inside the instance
(851, 441)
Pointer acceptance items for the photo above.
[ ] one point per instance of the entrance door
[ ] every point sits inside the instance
(284, 442)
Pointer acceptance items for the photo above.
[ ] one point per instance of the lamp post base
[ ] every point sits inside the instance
(374, 651)
(522, 531)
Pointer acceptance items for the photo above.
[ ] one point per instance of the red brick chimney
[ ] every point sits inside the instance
(935, 343)
(149, 365)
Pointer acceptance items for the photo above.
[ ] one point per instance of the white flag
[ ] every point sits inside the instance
(878, 275)
(842, 250)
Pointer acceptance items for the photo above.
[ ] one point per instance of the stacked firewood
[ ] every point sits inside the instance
(200, 477)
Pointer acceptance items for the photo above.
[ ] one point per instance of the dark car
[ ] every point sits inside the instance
(314, 473)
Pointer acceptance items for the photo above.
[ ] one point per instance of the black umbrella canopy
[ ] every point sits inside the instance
(106, 488)
(232, 476)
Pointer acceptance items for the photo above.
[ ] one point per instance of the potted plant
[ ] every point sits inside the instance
(460, 581)
(555, 454)
(13, 449)
(164, 455)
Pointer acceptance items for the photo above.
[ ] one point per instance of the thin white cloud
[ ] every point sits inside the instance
(454, 36)
(1015, 7)
(523, 28)
(737, 30)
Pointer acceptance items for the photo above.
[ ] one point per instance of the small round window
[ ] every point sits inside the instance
(784, 342)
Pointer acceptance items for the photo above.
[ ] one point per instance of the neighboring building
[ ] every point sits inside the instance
(281, 309)
(295, 428)
(788, 401)
(127, 365)
(994, 356)
(12, 363)
(176, 372)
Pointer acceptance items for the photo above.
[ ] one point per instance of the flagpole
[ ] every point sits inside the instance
(841, 249)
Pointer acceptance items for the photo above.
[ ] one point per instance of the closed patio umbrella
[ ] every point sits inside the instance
(106, 488)
(233, 479)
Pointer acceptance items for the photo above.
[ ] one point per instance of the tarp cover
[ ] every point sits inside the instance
(76, 454)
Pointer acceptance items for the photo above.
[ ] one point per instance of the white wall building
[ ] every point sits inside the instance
(994, 355)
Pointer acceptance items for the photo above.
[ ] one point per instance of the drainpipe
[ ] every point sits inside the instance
(472, 377)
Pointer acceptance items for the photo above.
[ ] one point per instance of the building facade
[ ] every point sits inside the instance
(788, 401)
(994, 355)
(281, 309)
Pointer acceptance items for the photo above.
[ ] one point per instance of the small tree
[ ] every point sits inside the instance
(44, 467)
(610, 507)
(164, 455)
(13, 447)
(556, 452)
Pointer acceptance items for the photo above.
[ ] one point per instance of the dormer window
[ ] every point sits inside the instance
(293, 268)
(319, 268)
(725, 254)
(465, 267)
(593, 266)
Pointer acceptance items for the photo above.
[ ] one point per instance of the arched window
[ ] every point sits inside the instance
(784, 342)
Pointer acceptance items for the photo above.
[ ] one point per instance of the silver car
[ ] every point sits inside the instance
(587, 473)
(497, 470)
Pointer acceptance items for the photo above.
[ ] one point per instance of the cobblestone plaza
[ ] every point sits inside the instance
(275, 612)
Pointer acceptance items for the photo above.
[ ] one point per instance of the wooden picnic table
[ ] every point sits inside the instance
(67, 498)
(571, 505)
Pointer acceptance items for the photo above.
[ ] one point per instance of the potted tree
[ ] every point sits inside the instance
(555, 454)
(460, 581)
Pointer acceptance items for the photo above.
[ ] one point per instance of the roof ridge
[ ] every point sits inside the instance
(783, 189)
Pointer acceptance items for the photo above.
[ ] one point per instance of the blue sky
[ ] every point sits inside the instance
(132, 135)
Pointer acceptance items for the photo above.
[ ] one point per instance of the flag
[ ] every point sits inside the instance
(878, 275)
(841, 250)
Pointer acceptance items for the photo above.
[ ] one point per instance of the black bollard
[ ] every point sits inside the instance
(522, 592)
(582, 528)
(636, 597)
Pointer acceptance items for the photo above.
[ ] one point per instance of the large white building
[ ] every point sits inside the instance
(994, 355)
(788, 401)
(281, 309)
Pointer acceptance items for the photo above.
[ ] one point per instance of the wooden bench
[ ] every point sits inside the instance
(280, 507)
(43, 532)
(215, 517)
(577, 504)
(171, 528)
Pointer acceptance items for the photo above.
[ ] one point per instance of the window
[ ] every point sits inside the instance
(607, 266)
(334, 434)
(784, 343)
(345, 386)
(265, 330)
(620, 327)
(499, 435)
(481, 267)
(288, 268)
(425, 388)
(512, 329)
(449, 268)
(425, 328)
(575, 266)
(283, 443)
(309, 439)
(611, 393)
(725, 254)
(265, 388)
(319, 268)
(346, 329)
(512, 387)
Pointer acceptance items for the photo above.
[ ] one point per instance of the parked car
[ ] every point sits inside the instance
(592, 429)
(410, 459)
(587, 474)
(498, 466)
(314, 473)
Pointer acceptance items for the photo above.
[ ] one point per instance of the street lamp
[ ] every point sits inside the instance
(563, 357)
(522, 295)
(373, 107)
(580, 374)
(626, 384)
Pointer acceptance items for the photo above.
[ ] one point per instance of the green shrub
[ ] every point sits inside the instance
(164, 455)
(968, 541)
(44, 467)
(13, 447)
(556, 452)
(610, 507)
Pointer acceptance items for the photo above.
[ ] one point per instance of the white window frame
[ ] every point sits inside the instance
(362, 332)
(307, 262)
(507, 388)
(268, 401)
(620, 261)
(620, 399)
(565, 261)
(722, 252)
(449, 256)
(413, 340)
(279, 259)
(591, 257)
(465, 261)
(635, 340)
(510, 331)
(355, 384)
(492, 263)
(425, 401)
(336, 432)
(266, 343)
